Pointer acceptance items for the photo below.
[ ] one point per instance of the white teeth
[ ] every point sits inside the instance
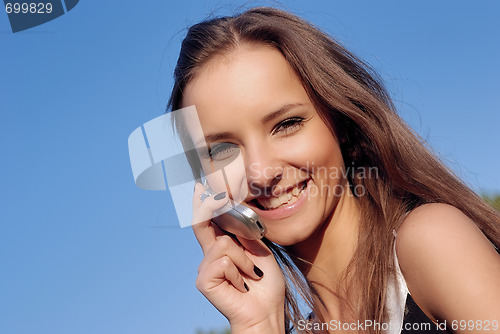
(283, 198)
(274, 202)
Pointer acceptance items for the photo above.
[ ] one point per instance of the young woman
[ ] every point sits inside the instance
(347, 191)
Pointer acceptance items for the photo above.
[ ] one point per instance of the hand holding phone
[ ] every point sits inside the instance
(237, 275)
(238, 219)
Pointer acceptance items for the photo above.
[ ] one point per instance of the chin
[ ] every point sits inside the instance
(290, 234)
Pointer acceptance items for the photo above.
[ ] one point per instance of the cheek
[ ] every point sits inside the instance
(316, 148)
(232, 179)
(327, 152)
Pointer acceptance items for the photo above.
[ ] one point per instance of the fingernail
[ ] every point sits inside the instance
(257, 271)
(246, 286)
(220, 196)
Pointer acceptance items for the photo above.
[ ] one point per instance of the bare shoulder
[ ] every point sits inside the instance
(433, 224)
(450, 267)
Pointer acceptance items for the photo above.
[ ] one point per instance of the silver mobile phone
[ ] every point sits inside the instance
(237, 219)
(241, 221)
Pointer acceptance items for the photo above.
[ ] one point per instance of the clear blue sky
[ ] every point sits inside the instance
(82, 249)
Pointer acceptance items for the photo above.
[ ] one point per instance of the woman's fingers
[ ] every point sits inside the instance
(225, 246)
(256, 247)
(203, 213)
(219, 271)
(204, 206)
(225, 259)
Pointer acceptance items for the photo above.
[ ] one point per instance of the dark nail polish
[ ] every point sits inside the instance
(220, 196)
(257, 271)
(246, 286)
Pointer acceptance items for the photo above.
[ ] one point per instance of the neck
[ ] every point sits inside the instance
(328, 252)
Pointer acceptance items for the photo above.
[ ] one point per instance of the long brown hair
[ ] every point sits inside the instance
(352, 101)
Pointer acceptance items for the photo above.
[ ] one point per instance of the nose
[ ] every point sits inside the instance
(264, 169)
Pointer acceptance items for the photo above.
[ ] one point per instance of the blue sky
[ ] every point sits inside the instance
(82, 249)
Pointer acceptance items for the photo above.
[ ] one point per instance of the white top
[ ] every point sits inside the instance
(397, 293)
(396, 298)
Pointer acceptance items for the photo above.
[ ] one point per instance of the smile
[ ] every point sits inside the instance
(286, 198)
(284, 205)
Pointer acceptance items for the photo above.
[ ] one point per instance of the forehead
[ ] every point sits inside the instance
(250, 80)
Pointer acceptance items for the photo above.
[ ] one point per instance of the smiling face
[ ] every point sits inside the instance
(252, 104)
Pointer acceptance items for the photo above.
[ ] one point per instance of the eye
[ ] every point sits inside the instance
(288, 126)
(222, 151)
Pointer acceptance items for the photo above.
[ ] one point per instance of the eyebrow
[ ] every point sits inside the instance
(266, 119)
(214, 137)
(275, 114)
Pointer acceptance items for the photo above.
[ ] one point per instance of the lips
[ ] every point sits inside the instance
(285, 208)
(286, 198)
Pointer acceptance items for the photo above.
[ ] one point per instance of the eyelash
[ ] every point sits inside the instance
(288, 126)
(222, 148)
(285, 127)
